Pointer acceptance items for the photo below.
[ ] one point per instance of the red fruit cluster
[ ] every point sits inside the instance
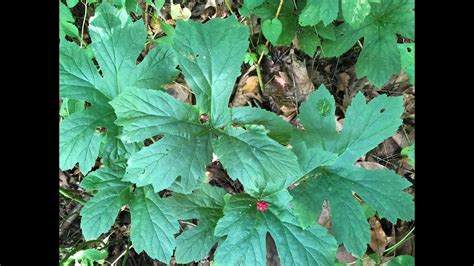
(262, 205)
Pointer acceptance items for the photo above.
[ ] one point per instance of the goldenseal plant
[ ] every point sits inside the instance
(126, 105)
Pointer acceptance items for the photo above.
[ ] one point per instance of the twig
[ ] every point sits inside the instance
(121, 255)
(229, 7)
(68, 195)
(69, 220)
(83, 24)
(405, 238)
(259, 75)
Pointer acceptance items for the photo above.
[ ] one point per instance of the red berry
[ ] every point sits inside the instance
(262, 205)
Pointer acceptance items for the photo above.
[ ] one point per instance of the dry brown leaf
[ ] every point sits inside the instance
(302, 83)
(246, 89)
(343, 81)
(387, 149)
(325, 217)
(179, 91)
(343, 256)
(370, 165)
(377, 235)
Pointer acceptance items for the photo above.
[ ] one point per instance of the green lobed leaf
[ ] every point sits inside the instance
(319, 10)
(278, 129)
(78, 77)
(255, 159)
(407, 53)
(327, 157)
(146, 113)
(355, 11)
(211, 65)
(116, 43)
(380, 57)
(70, 106)
(205, 204)
(368, 124)
(153, 225)
(114, 152)
(66, 22)
(99, 213)
(79, 141)
(157, 164)
(103, 178)
(308, 40)
(246, 228)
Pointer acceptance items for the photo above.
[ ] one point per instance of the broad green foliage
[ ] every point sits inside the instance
(316, 11)
(205, 204)
(407, 53)
(116, 43)
(404, 260)
(246, 228)
(66, 22)
(210, 66)
(111, 105)
(153, 225)
(327, 158)
(377, 22)
(355, 11)
(87, 257)
(308, 37)
(380, 57)
(70, 106)
(271, 29)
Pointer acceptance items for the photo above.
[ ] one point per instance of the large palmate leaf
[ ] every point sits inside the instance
(211, 64)
(255, 159)
(79, 141)
(99, 213)
(278, 129)
(246, 227)
(188, 137)
(116, 43)
(145, 113)
(327, 158)
(380, 57)
(153, 224)
(205, 204)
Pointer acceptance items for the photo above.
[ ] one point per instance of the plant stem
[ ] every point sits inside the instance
(229, 7)
(68, 195)
(400, 242)
(259, 76)
(257, 66)
(83, 24)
